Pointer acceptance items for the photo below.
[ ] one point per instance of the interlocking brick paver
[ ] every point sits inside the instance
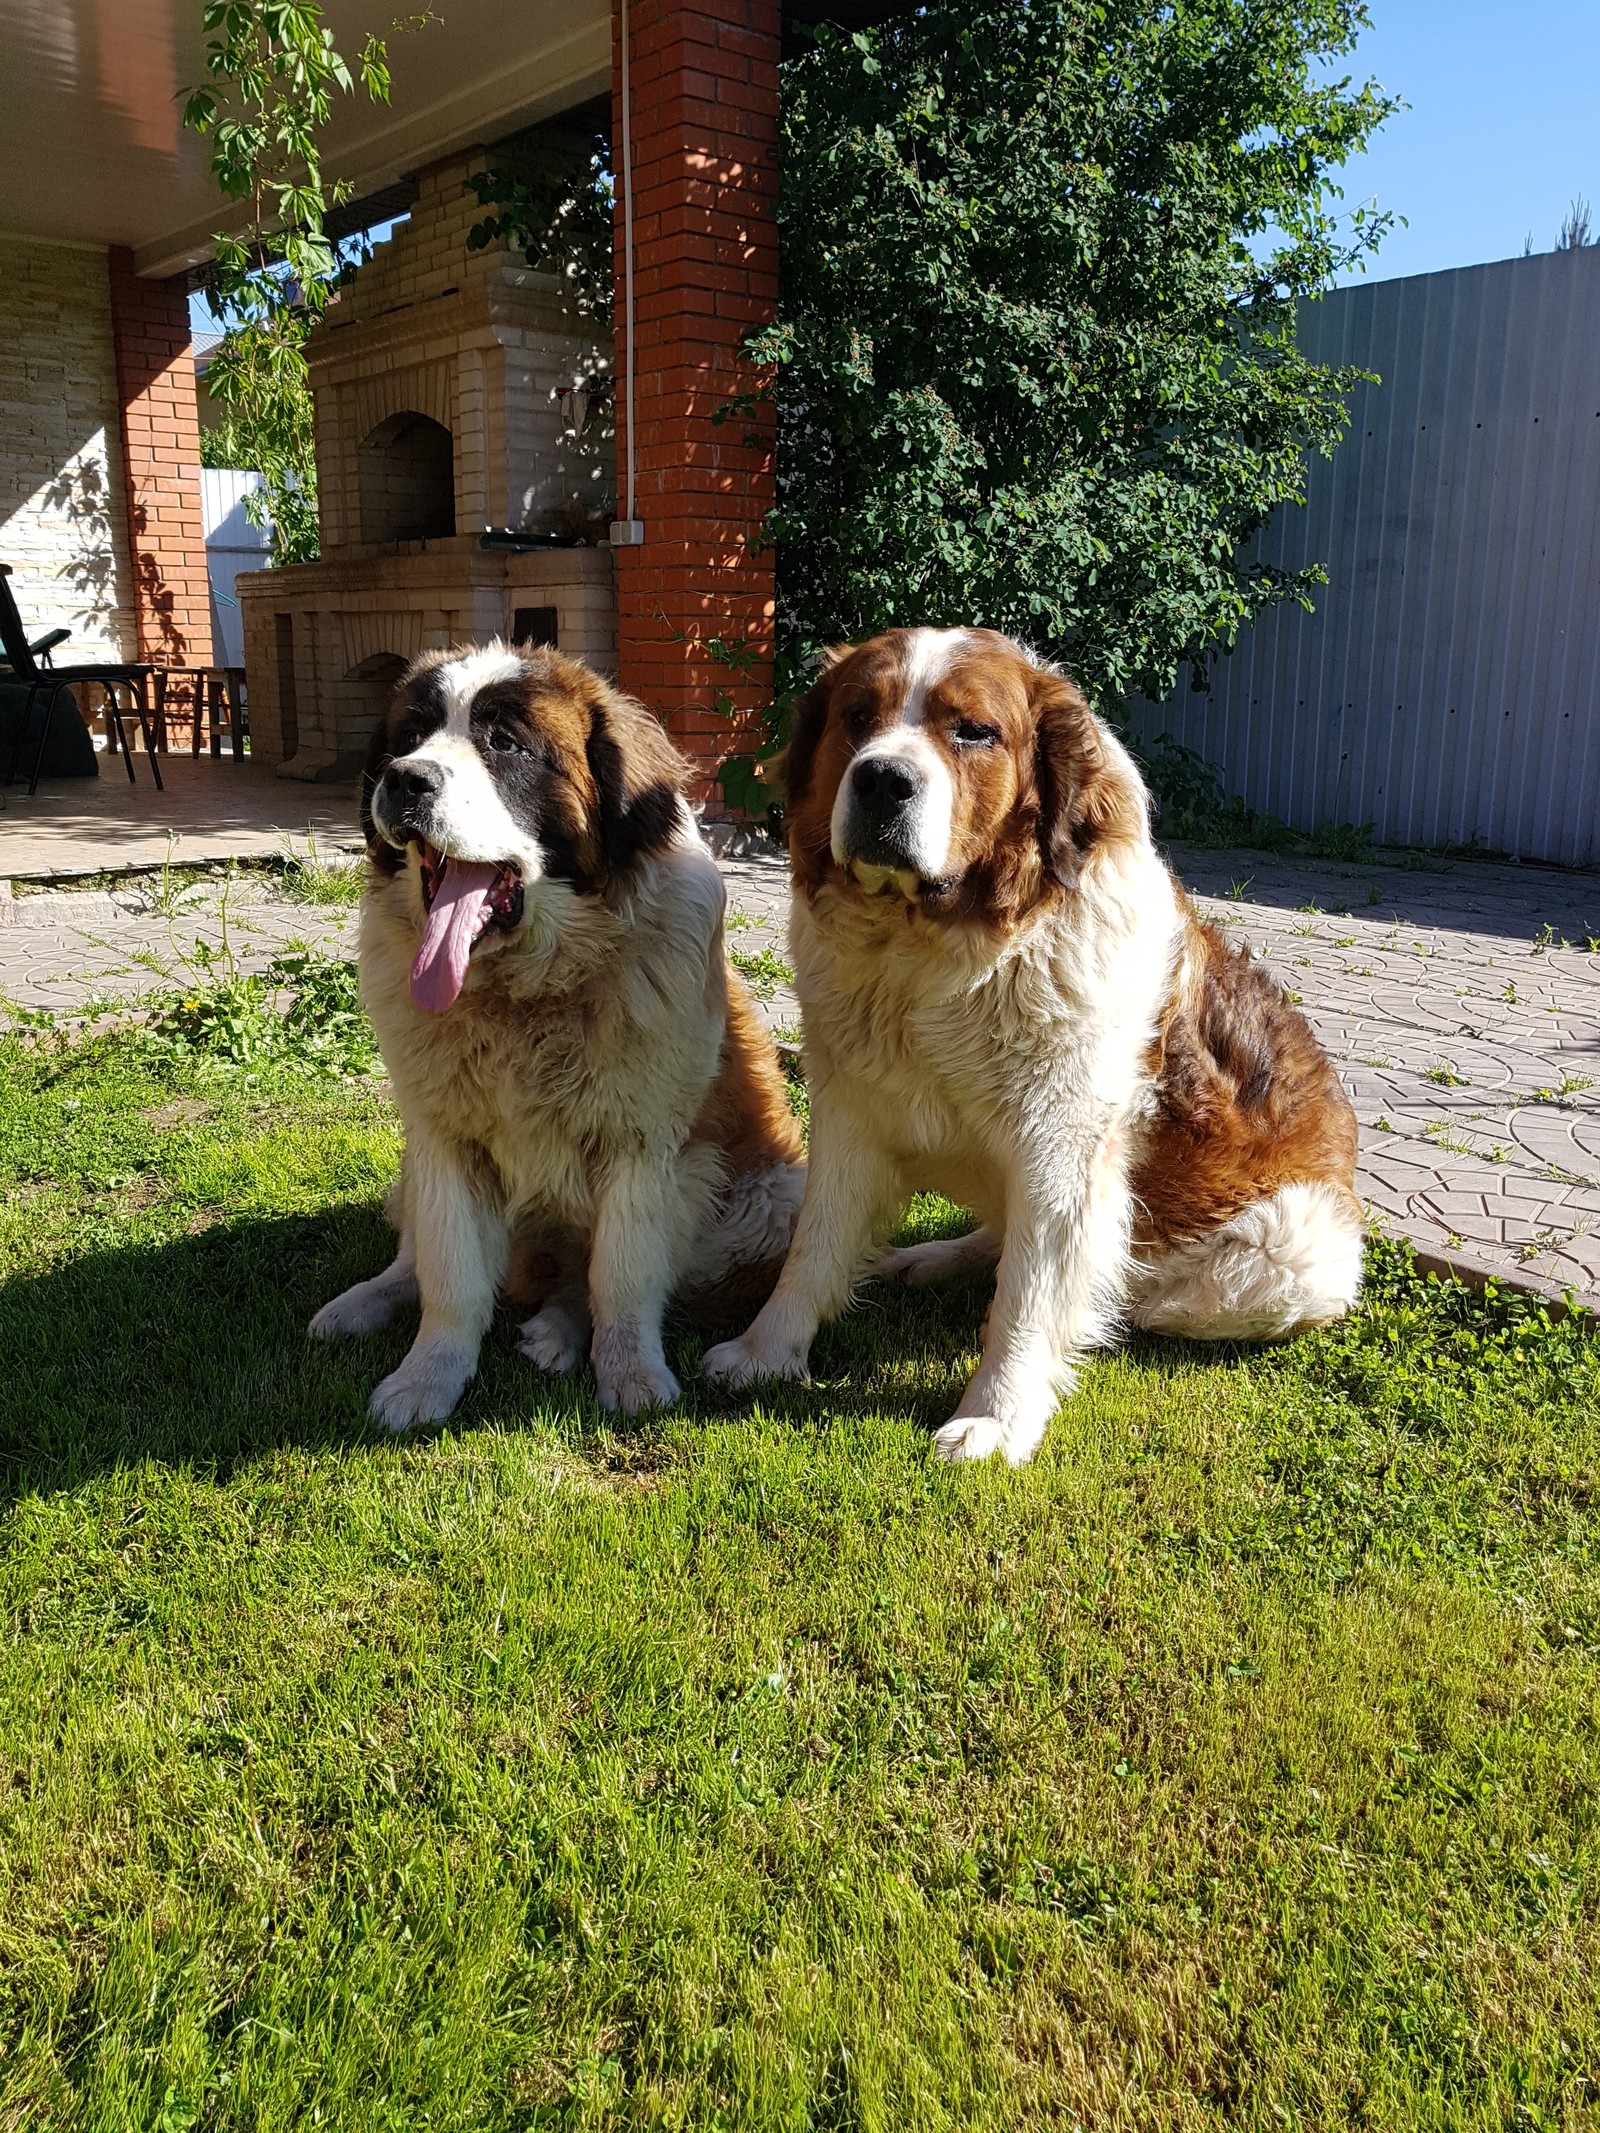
(1428, 967)
(1461, 1002)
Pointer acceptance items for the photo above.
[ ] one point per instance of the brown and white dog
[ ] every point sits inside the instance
(1008, 999)
(578, 1071)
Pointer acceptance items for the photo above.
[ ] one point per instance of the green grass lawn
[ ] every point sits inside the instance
(1234, 1764)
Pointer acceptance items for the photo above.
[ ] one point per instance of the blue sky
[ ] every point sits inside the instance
(1503, 130)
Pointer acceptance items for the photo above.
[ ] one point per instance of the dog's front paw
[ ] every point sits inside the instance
(553, 1340)
(966, 1439)
(424, 1389)
(630, 1372)
(737, 1362)
(641, 1384)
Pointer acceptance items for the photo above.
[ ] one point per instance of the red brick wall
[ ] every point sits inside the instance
(161, 463)
(704, 91)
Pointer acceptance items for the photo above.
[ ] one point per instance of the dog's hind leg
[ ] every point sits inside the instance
(918, 1264)
(557, 1335)
(1278, 1267)
(371, 1304)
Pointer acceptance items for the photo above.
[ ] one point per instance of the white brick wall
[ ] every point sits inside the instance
(63, 516)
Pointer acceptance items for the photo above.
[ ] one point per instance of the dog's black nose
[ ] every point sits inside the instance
(410, 786)
(883, 786)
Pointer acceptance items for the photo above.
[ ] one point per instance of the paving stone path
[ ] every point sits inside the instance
(1460, 1000)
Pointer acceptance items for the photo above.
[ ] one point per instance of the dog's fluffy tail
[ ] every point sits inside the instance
(739, 1255)
(1278, 1267)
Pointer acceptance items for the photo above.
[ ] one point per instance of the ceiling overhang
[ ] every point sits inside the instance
(94, 150)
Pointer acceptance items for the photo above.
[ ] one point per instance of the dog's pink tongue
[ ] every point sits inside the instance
(454, 923)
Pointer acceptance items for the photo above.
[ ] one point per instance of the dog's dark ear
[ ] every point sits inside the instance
(379, 756)
(791, 771)
(1089, 791)
(638, 777)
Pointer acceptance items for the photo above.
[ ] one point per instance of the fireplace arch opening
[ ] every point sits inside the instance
(407, 475)
(360, 700)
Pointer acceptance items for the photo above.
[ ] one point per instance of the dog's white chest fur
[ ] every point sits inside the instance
(593, 1032)
(948, 1038)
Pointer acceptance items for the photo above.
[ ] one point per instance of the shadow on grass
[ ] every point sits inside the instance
(192, 1351)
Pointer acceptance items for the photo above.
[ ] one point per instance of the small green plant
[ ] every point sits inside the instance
(174, 887)
(1569, 1085)
(1341, 840)
(1445, 1073)
(1235, 889)
(1381, 1125)
(312, 877)
(1374, 894)
(762, 969)
(1445, 1135)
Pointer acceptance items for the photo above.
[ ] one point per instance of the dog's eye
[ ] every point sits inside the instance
(504, 743)
(971, 733)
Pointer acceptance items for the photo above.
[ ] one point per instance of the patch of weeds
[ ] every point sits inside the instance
(1341, 840)
(1381, 1125)
(1374, 894)
(1569, 1085)
(1444, 1135)
(303, 1009)
(314, 877)
(1192, 807)
(1235, 889)
(1446, 1075)
(762, 969)
(1347, 940)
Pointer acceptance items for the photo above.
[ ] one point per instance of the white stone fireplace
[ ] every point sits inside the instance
(464, 468)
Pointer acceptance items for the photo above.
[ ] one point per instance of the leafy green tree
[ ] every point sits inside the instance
(550, 195)
(274, 75)
(1035, 365)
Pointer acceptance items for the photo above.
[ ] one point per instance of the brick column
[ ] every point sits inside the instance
(161, 463)
(704, 93)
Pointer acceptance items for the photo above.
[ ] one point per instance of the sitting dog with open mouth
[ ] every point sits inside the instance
(582, 1079)
(1008, 999)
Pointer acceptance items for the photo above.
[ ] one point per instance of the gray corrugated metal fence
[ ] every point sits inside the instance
(1448, 686)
